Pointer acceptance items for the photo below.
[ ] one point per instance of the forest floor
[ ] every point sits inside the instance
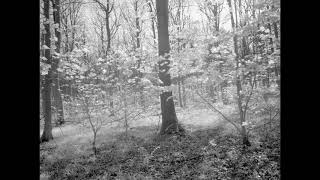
(192, 119)
(211, 150)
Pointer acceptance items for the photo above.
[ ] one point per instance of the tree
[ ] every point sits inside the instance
(169, 117)
(242, 112)
(151, 11)
(107, 9)
(58, 102)
(135, 24)
(70, 17)
(179, 20)
(47, 131)
(212, 10)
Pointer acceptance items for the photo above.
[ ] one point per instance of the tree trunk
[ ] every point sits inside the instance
(47, 131)
(152, 21)
(276, 67)
(94, 148)
(126, 124)
(137, 20)
(108, 31)
(169, 117)
(58, 102)
(107, 52)
(184, 97)
(179, 93)
(238, 81)
(268, 77)
(223, 95)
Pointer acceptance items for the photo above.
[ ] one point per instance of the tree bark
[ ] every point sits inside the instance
(58, 102)
(169, 117)
(47, 131)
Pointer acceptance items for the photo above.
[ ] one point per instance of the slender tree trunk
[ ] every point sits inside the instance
(108, 26)
(223, 94)
(70, 86)
(277, 67)
(179, 92)
(107, 52)
(153, 31)
(56, 86)
(184, 97)
(270, 39)
(47, 131)
(125, 111)
(72, 40)
(152, 21)
(94, 129)
(94, 148)
(272, 50)
(268, 77)
(169, 117)
(150, 2)
(245, 139)
(138, 38)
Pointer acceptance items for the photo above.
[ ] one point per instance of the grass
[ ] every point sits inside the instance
(69, 155)
(191, 118)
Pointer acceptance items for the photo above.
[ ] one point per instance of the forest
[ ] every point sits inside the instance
(159, 89)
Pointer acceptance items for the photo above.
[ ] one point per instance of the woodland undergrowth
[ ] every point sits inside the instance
(201, 154)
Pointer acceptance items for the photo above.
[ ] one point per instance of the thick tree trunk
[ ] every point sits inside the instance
(47, 131)
(169, 117)
(58, 102)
